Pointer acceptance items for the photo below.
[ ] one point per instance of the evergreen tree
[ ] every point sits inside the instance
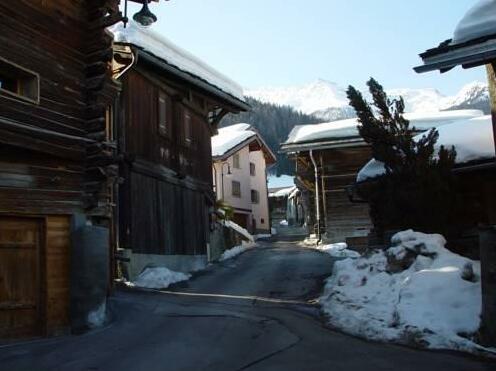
(417, 190)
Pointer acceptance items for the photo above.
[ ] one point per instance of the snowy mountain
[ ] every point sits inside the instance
(472, 96)
(327, 101)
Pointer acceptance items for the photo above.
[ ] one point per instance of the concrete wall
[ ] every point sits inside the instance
(89, 275)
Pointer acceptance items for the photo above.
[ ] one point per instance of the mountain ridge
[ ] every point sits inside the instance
(327, 100)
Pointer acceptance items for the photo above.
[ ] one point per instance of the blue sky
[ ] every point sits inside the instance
(291, 42)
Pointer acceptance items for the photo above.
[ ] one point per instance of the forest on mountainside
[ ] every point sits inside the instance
(274, 123)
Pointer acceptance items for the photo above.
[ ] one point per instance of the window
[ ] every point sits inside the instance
(262, 221)
(163, 110)
(252, 169)
(255, 197)
(19, 82)
(236, 188)
(188, 134)
(236, 161)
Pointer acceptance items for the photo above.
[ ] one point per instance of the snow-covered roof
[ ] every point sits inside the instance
(284, 192)
(478, 22)
(282, 181)
(230, 137)
(161, 47)
(473, 140)
(349, 128)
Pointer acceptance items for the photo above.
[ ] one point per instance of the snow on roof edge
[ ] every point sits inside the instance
(159, 46)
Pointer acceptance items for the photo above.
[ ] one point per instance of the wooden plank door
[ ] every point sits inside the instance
(20, 289)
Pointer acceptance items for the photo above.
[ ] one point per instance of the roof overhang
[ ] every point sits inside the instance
(235, 104)
(330, 144)
(270, 157)
(469, 54)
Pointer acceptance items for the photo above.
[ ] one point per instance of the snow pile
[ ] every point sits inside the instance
(284, 192)
(478, 22)
(236, 250)
(229, 137)
(98, 316)
(473, 140)
(156, 44)
(337, 250)
(349, 128)
(239, 229)
(415, 292)
(159, 278)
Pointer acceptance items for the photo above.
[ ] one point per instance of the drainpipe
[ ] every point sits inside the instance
(317, 205)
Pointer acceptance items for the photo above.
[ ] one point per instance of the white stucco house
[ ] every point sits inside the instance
(239, 170)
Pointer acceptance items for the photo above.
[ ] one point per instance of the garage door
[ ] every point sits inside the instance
(20, 245)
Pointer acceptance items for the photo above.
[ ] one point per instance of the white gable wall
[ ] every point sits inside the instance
(243, 204)
(260, 211)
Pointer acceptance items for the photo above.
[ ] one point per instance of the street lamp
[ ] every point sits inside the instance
(144, 17)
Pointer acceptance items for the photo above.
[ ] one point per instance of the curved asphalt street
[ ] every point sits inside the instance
(255, 312)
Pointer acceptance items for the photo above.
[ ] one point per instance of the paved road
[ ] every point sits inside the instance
(255, 312)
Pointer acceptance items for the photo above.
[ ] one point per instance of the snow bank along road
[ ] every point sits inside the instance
(254, 312)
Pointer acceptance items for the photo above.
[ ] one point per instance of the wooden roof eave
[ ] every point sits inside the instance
(467, 55)
(330, 144)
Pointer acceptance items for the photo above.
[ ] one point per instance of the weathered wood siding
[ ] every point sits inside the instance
(168, 183)
(57, 266)
(338, 168)
(34, 300)
(55, 158)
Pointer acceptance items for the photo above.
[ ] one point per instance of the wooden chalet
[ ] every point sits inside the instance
(324, 170)
(56, 162)
(328, 158)
(474, 45)
(169, 109)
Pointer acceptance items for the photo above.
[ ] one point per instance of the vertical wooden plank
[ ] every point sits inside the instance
(57, 268)
(491, 79)
(20, 294)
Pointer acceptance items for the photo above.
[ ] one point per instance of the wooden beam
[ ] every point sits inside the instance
(491, 79)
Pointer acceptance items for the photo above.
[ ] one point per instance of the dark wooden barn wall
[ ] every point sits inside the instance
(163, 202)
(343, 217)
(144, 140)
(166, 219)
(338, 168)
(49, 151)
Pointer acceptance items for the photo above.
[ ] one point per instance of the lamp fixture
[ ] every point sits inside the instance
(145, 17)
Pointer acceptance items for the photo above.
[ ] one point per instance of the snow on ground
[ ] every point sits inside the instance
(239, 229)
(337, 250)
(156, 44)
(229, 137)
(159, 278)
(479, 21)
(435, 302)
(236, 250)
(473, 140)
